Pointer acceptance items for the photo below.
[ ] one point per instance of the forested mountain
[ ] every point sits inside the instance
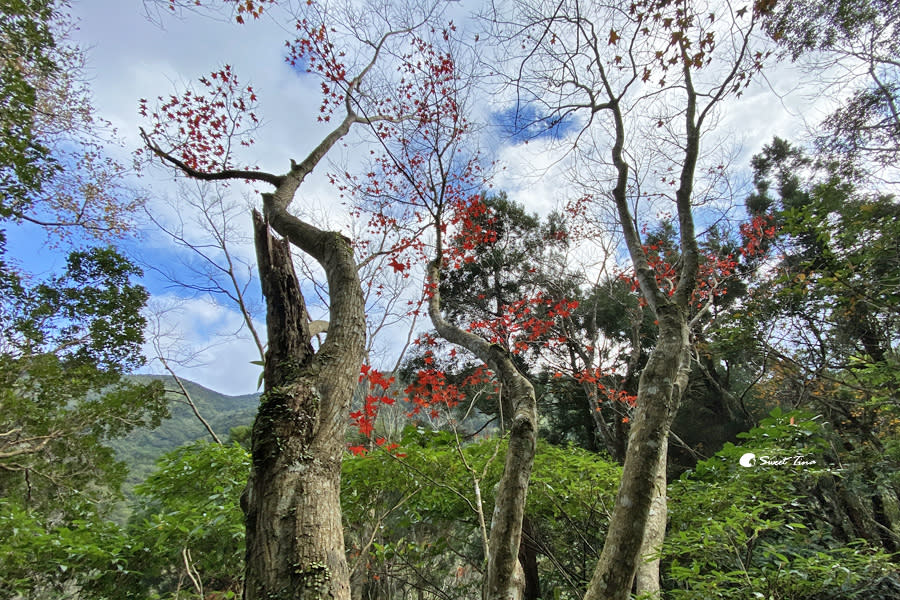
(142, 447)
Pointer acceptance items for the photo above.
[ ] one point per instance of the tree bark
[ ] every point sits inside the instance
(528, 559)
(647, 577)
(295, 542)
(659, 392)
(504, 578)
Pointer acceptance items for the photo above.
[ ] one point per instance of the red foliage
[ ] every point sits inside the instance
(202, 127)
(611, 393)
(715, 269)
(756, 233)
(364, 419)
(314, 50)
(250, 8)
(431, 391)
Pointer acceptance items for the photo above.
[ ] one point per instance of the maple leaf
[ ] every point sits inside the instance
(613, 37)
(397, 265)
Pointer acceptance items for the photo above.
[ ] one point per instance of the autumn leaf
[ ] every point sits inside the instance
(397, 265)
(613, 37)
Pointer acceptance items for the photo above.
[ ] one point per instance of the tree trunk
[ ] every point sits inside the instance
(528, 560)
(659, 392)
(295, 542)
(504, 578)
(647, 578)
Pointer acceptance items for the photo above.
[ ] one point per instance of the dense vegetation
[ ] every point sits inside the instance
(691, 395)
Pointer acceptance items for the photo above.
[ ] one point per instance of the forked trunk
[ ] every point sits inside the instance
(295, 542)
(659, 393)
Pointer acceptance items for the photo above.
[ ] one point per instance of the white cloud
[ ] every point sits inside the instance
(202, 341)
(132, 58)
(536, 174)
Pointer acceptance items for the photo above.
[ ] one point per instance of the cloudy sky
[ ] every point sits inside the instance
(132, 57)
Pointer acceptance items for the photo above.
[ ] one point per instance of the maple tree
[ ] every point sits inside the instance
(649, 66)
(425, 175)
(297, 440)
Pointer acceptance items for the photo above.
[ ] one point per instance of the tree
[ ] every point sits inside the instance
(832, 297)
(187, 530)
(65, 347)
(863, 38)
(206, 234)
(427, 173)
(297, 441)
(54, 171)
(658, 70)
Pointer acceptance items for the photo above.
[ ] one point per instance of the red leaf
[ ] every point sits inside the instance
(397, 265)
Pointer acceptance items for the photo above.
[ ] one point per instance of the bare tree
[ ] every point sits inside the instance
(171, 351)
(205, 224)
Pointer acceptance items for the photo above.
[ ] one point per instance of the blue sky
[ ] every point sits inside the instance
(525, 123)
(131, 58)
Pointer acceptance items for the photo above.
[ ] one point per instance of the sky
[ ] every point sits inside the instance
(131, 56)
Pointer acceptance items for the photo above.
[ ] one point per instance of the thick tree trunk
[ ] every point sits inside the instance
(295, 543)
(659, 392)
(647, 577)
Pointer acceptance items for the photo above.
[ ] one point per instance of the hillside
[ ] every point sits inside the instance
(142, 447)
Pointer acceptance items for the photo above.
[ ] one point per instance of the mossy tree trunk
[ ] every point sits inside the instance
(295, 543)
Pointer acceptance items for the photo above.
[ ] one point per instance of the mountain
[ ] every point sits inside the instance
(140, 449)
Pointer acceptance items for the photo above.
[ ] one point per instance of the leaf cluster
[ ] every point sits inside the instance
(753, 531)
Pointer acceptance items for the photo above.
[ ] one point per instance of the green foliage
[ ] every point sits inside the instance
(863, 134)
(570, 501)
(62, 398)
(89, 315)
(55, 173)
(27, 47)
(832, 303)
(751, 531)
(419, 510)
(61, 391)
(188, 511)
(42, 558)
(143, 446)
